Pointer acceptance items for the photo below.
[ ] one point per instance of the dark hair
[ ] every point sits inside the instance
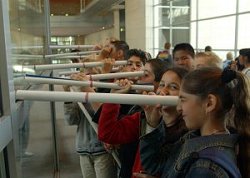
(158, 67)
(180, 71)
(245, 52)
(208, 49)
(184, 47)
(231, 89)
(138, 53)
(121, 45)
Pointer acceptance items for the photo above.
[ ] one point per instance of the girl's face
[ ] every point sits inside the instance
(193, 110)
(149, 76)
(169, 85)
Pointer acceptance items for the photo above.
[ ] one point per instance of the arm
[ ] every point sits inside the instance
(114, 131)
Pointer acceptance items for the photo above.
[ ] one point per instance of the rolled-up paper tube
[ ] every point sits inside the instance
(70, 46)
(115, 69)
(116, 75)
(68, 54)
(96, 97)
(74, 65)
(40, 80)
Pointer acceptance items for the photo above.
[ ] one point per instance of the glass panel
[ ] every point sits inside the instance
(163, 17)
(223, 54)
(27, 36)
(214, 8)
(180, 17)
(1, 105)
(2, 166)
(244, 5)
(181, 3)
(215, 33)
(193, 35)
(193, 9)
(180, 36)
(164, 36)
(162, 2)
(243, 31)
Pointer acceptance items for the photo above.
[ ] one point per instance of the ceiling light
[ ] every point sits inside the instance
(66, 14)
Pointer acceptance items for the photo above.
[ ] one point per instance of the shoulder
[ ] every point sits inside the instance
(207, 169)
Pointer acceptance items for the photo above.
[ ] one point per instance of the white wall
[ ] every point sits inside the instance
(99, 37)
(139, 24)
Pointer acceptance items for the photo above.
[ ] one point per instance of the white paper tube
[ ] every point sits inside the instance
(38, 80)
(74, 65)
(115, 69)
(69, 54)
(96, 97)
(73, 57)
(27, 47)
(70, 46)
(116, 75)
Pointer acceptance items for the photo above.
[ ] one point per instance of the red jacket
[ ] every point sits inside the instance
(123, 131)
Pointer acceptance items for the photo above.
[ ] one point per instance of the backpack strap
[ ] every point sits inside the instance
(221, 159)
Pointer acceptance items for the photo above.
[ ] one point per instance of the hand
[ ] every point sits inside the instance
(152, 112)
(109, 147)
(105, 52)
(66, 87)
(81, 77)
(142, 175)
(125, 84)
(108, 65)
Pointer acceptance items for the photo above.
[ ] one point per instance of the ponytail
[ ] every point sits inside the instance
(241, 116)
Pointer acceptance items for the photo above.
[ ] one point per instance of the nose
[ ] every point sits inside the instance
(163, 91)
(178, 107)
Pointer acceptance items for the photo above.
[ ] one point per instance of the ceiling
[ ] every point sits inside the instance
(80, 17)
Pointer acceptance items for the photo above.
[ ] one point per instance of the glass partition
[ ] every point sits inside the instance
(34, 142)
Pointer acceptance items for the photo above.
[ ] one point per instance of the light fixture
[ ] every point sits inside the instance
(51, 14)
(66, 14)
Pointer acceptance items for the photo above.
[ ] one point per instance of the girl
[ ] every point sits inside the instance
(206, 96)
(127, 129)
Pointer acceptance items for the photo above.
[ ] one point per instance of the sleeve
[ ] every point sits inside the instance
(114, 131)
(71, 113)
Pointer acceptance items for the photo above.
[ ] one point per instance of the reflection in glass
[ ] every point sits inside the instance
(218, 33)
(180, 17)
(27, 36)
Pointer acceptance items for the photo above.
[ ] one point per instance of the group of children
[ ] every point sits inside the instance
(205, 135)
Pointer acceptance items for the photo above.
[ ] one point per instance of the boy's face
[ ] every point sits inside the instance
(183, 59)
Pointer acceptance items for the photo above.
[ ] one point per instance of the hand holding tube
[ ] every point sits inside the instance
(125, 84)
(152, 112)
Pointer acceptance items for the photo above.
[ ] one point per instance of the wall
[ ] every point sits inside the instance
(98, 37)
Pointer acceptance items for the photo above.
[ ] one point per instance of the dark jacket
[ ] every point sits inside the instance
(178, 160)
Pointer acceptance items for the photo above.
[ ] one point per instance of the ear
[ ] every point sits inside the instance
(211, 103)
(120, 53)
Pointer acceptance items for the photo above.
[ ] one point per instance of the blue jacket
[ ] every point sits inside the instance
(178, 160)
